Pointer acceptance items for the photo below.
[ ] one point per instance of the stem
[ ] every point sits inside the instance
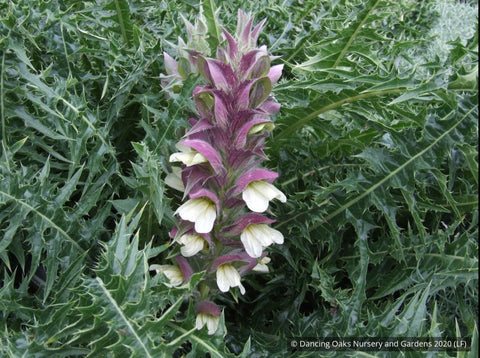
(2, 105)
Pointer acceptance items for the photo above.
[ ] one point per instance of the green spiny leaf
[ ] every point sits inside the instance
(211, 16)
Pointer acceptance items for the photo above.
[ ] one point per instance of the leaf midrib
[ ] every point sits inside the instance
(131, 329)
(400, 168)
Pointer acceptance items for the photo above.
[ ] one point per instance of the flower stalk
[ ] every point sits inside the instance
(221, 226)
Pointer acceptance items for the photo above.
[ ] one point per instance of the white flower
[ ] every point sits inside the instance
(202, 211)
(193, 244)
(174, 179)
(173, 273)
(228, 276)
(268, 126)
(207, 319)
(258, 194)
(256, 237)
(262, 265)
(187, 156)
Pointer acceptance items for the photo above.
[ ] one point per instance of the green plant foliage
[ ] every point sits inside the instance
(376, 145)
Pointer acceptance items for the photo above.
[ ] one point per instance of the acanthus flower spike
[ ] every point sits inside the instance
(220, 229)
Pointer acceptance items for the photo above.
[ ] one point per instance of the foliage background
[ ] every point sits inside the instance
(376, 145)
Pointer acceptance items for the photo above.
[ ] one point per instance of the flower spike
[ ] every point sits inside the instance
(221, 227)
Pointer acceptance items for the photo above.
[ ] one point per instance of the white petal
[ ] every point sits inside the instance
(197, 159)
(261, 268)
(262, 265)
(189, 251)
(173, 273)
(222, 281)
(192, 244)
(228, 276)
(231, 275)
(173, 157)
(275, 235)
(200, 321)
(174, 179)
(262, 234)
(254, 199)
(188, 158)
(242, 289)
(269, 191)
(268, 126)
(191, 209)
(256, 237)
(179, 157)
(252, 246)
(265, 260)
(205, 220)
(212, 324)
(155, 268)
(175, 278)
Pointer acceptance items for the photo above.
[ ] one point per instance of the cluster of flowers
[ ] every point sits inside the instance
(221, 228)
